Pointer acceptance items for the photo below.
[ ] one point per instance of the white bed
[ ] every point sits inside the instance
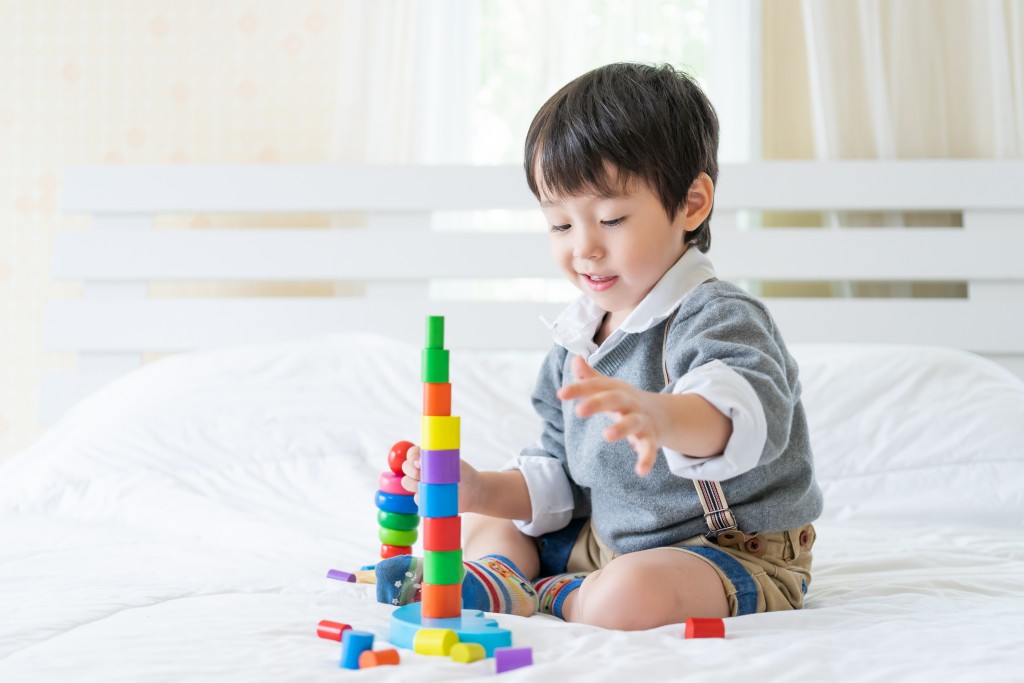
(179, 522)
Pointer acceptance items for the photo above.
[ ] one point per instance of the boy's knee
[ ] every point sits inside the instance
(616, 599)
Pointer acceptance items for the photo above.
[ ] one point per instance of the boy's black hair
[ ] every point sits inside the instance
(653, 123)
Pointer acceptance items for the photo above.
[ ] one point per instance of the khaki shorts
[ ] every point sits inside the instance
(767, 572)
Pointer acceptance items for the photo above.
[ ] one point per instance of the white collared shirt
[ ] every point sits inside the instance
(550, 495)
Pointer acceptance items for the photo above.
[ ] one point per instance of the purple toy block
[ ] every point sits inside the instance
(439, 467)
(341, 576)
(509, 658)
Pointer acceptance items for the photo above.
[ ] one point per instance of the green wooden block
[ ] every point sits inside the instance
(397, 537)
(442, 567)
(435, 332)
(397, 521)
(435, 366)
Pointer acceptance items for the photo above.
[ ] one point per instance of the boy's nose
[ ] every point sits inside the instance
(586, 246)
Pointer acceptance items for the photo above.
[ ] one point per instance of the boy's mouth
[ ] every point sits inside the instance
(599, 283)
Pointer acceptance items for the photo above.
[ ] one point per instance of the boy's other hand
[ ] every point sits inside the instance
(468, 486)
(635, 414)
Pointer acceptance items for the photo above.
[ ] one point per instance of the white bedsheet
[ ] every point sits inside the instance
(179, 524)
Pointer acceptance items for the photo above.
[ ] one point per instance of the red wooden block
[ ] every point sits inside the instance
(331, 630)
(705, 628)
(372, 658)
(396, 458)
(442, 533)
(437, 399)
(441, 600)
(387, 551)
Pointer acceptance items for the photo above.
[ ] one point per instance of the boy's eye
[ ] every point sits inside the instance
(560, 228)
(615, 221)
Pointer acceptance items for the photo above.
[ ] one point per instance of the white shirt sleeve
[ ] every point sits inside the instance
(733, 395)
(550, 494)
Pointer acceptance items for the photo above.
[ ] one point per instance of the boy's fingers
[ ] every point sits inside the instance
(629, 425)
(410, 484)
(604, 402)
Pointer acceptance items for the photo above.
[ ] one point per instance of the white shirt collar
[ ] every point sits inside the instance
(575, 328)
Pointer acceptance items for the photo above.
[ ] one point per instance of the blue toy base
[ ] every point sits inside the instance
(471, 627)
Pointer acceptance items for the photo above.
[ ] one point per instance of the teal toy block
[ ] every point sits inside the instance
(353, 644)
(435, 366)
(439, 500)
(471, 627)
(435, 332)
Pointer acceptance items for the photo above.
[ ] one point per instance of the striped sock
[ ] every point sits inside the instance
(553, 590)
(492, 584)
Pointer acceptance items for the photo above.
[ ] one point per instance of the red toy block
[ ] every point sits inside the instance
(396, 458)
(442, 533)
(705, 628)
(331, 630)
(387, 551)
(372, 658)
(437, 398)
(441, 600)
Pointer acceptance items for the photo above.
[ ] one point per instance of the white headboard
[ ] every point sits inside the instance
(399, 253)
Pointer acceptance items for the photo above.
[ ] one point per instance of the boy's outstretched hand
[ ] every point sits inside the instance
(636, 414)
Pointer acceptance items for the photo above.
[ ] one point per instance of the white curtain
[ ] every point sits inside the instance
(916, 78)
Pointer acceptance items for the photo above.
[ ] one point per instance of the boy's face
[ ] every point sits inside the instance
(614, 249)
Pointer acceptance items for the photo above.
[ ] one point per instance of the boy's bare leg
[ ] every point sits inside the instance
(483, 535)
(648, 589)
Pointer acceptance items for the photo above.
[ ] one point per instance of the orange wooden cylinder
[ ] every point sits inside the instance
(371, 658)
(437, 399)
(442, 533)
(441, 600)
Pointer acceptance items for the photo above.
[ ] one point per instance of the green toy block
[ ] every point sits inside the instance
(443, 567)
(397, 521)
(435, 366)
(397, 537)
(435, 332)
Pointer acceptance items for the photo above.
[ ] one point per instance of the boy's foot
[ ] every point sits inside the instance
(492, 584)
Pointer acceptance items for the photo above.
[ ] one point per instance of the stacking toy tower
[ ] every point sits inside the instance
(396, 507)
(441, 596)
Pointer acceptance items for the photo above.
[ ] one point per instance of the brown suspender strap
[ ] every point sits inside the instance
(717, 514)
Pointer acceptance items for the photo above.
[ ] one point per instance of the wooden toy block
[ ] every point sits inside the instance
(389, 482)
(339, 575)
(396, 457)
(434, 641)
(369, 576)
(387, 550)
(435, 366)
(471, 627)
(391, 502)
(441, 600)
(437, 399)
(439, 467)
(394, 520)
(440, 433)
(705, 628)
(331, 630)
(354, 644)
(509, 658)
(435, 332)
(468, 652)
(439, 500)
(372, 658)
(397, 537)
(443, 567)
(442, 533)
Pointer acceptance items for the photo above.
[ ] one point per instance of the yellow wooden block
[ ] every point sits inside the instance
(439, 433)
(434, 641)
(468, 652)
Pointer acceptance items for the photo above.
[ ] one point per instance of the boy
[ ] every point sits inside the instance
(674, 475)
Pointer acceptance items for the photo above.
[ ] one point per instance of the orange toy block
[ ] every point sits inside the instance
(441, 600)
(442, 533)
(437, 398)
(705, 628)
(372, 658)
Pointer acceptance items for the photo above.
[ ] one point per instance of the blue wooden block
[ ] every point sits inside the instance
(471, 627)
(439, 500)
(393, 502)
(353, 644)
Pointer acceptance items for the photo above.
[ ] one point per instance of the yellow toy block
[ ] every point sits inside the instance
(439, 433)
(434, 641)
(468, 652)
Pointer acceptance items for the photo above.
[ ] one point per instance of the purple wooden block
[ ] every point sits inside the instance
(341, 576)
(509, 658)
(439, 467)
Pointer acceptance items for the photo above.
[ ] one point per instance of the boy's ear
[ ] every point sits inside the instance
(699, 201)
